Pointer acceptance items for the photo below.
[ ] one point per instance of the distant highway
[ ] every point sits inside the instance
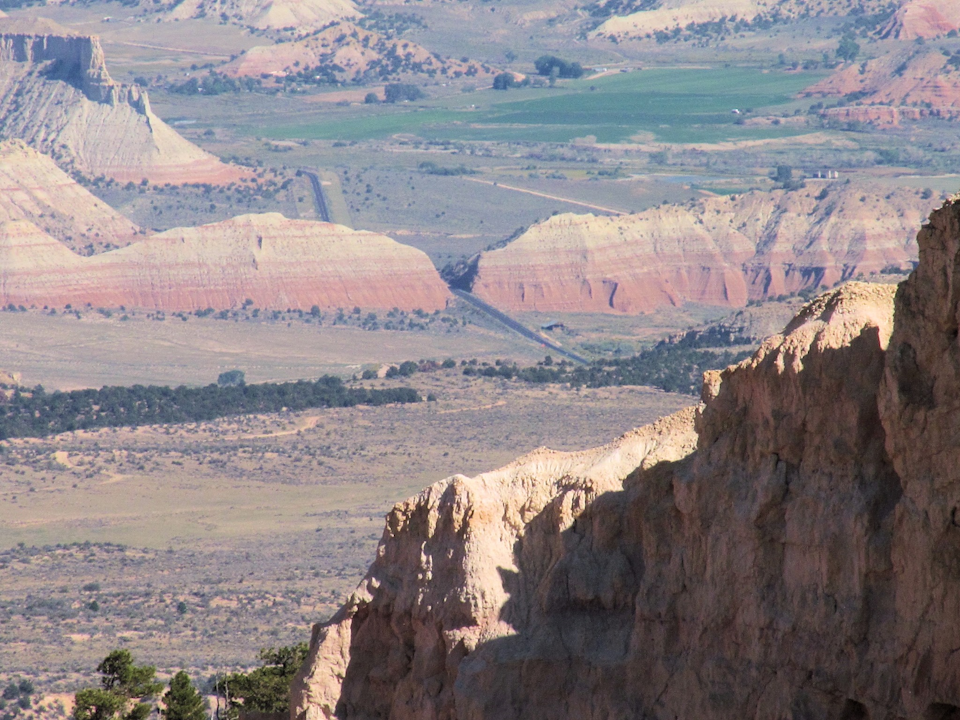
(322, 211)
(505, 319)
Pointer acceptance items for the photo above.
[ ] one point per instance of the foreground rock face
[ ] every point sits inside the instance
(56, 94)
(275, 262)
(803, 561)
(720, 251)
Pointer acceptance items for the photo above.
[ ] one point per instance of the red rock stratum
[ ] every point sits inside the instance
(791, 549)
(901, 85)
(275, 262)
(718, 251)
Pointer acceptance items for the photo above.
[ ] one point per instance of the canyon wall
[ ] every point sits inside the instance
(802, 560)
(56, 94)
(718, 251)
(275, 262)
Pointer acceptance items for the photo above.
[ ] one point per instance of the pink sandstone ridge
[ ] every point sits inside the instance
(788, 549)
(718, 251)
(275, 262)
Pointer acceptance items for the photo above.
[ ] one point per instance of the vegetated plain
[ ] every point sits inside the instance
(259, 524)
(681, 105)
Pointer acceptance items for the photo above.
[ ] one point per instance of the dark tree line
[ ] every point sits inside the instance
(37, 413)
(676, 366)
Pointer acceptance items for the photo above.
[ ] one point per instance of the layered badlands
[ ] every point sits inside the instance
(351, 54)
(56, 94)
(33, 188)
(718, 251)
(923, 19)
(901, 85)
(262, 14)
(671, 14)
(275, 262)
(791, 549)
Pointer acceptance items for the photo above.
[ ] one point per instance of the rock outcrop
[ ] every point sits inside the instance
(900, 85)
(803, 561)
(923, 19)
(671, 14)
(719, 251)
(275, 262)
(56, 94)
(296, 15)
(344, 52)
(33, 188)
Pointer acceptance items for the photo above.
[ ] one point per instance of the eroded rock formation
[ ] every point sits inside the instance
(56, 94)
(33, 188)
(900, 85)
(344, 53)
(670, 14)
(275, 262)
(802, 561)
(719, 251)
(923, 19)
(297, 15)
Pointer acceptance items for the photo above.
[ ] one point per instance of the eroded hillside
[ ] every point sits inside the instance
(719, 251)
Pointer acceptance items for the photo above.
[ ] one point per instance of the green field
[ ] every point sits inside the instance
(676, 105)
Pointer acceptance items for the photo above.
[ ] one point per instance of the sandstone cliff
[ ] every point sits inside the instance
(720, 251)
(33, 188)
(56, 94)
(275, 262)
(901, 85)
(345, 52)
(803, 561)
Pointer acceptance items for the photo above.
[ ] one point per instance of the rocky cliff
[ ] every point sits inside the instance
(801, 561)
(56, 94)
(720, 251)
(33, 188)
(275, 262)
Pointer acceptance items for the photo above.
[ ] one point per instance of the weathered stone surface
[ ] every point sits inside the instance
(263, 14)
(350, 53)
(33, 188)
(923, 19)
(56, 94)
(802, 562)
(901, 85)
(275, 262)
(447, 572)
(670, 14)
(718, 251)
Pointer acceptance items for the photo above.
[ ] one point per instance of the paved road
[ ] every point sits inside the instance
(322, 210)
(508, 321)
